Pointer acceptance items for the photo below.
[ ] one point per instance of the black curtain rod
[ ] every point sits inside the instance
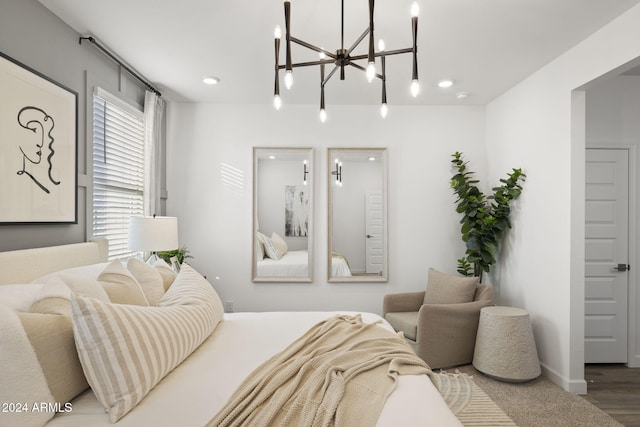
(118, 61)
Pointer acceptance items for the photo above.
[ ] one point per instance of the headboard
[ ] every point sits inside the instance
(22, 266)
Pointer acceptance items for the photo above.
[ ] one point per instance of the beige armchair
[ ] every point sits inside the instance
(443, 335)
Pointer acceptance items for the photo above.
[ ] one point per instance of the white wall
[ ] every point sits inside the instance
(613, 120)
(215, 218)
(539, 125)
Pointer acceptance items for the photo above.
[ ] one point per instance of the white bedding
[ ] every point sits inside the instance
(292, 264)
(296, 264)
(340, 267)
(192, 393)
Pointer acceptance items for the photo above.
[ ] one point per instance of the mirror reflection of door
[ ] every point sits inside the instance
(282, 226)
(357, 215)
(374, 229)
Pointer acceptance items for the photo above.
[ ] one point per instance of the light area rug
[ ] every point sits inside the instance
(468, 402)
(539, 403)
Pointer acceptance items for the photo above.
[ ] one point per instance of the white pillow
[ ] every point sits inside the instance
(149, 278)
(19, 297)
(119, 344)
(80, 285)
(91, 271)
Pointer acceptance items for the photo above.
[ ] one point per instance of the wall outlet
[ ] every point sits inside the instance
(228, 306)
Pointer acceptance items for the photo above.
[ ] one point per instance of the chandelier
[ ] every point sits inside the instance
(343, 58)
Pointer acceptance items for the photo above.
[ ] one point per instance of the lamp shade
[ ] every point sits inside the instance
(152, 234)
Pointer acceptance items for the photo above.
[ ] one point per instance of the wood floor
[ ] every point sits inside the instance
(616, 390)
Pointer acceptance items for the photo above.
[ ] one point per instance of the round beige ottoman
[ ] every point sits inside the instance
(505, 347)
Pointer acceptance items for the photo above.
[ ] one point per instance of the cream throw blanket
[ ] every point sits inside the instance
(339, 373)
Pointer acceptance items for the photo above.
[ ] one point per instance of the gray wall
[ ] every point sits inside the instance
(32, 35)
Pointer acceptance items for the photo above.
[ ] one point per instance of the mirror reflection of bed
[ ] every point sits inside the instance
(283, 199)
(357, 214)
(294, 264)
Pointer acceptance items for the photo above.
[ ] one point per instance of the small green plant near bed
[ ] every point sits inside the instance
(485, 219)
(181, 254)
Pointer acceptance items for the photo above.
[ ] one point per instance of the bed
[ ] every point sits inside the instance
(292, 264)
(193, 391)
(295, 264)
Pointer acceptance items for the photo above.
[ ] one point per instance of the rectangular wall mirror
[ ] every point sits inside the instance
(357, 208)
(282, 214)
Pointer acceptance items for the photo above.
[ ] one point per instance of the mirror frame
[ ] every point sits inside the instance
(331, 154)
(308, 151)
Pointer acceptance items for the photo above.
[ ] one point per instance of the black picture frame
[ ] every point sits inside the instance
(38, 147)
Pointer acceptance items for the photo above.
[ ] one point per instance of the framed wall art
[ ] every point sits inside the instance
(296, 211)
(38, 147)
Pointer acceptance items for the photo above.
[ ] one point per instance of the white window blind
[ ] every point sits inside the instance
(118, 170)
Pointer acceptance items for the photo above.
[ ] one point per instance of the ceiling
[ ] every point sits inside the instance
(485, 46)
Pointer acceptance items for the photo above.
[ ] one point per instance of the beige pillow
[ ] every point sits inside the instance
(259, 249)
(149, 279)
(117, 344)
(167, 273)
(39, 363)
(121, 286)
(279, 243)
(446, 289)
(275, 247)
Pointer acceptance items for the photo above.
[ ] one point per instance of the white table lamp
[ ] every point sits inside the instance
(153, 233)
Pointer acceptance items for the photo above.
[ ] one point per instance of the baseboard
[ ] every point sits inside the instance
(634, 362)
(572, 386)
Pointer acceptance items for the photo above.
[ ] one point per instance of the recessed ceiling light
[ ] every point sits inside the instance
(211, 80)
(462, 95)
(445, 83)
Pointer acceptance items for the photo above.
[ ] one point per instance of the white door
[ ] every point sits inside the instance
(374, 229)
(606, 255)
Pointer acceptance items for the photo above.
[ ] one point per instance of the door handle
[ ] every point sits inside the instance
(622, 267)
(369, 236)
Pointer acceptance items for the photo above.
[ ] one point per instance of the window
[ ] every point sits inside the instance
(118, 170)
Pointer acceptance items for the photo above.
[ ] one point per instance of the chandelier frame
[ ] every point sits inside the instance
(342, 58)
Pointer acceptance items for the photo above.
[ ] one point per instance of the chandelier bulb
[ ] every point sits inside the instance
(415, 88)
(323, 115)
(277, 33)
(384, 110)
(371, 71)
(415, 9)
(277, 102)
(322, 55)
(288, 79)
(381, 45)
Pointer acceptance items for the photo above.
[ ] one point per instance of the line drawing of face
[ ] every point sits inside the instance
(41, 124)
(33, 153)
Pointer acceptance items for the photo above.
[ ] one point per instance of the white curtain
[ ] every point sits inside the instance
(153, 115)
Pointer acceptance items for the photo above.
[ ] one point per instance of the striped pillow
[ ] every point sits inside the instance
(125, 350)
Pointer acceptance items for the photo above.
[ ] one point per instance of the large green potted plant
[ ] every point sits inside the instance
(484, 219)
